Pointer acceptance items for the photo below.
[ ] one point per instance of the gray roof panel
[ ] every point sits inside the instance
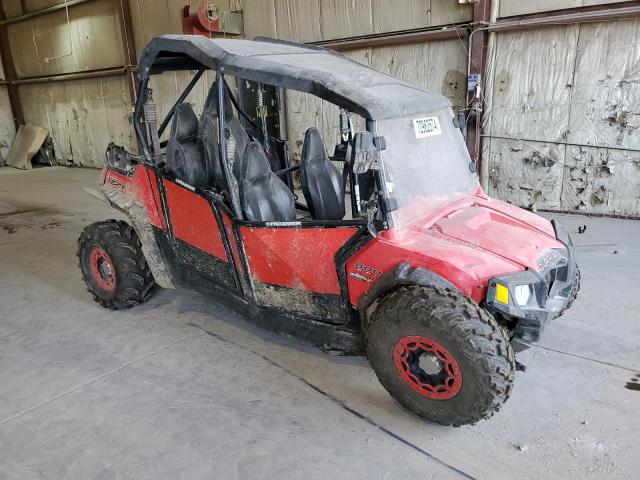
(319, 71)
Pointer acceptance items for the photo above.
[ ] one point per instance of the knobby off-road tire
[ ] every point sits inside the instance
(113, 266)
(472, 349)
(573, 295)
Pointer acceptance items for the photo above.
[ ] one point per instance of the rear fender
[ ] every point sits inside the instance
(116, 193)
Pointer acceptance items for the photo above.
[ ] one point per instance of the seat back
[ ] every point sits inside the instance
(263, 196)
(321, 181)
(184, 156)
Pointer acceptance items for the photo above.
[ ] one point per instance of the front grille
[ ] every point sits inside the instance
(552, 265)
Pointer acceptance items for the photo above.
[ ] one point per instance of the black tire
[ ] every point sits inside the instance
(113, 266)
(573, 295)
(478, 345)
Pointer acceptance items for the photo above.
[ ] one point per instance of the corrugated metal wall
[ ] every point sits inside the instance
(82, 116)
(439, 66)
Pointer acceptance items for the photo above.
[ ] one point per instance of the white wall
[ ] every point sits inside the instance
(577, 84)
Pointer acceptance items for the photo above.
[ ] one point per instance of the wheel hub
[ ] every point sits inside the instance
(429, 363)
(427, 367)
(102, 268)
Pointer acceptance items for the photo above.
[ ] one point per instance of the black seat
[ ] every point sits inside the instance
(321, 181)
(184, 156)
(264, 197)
(237, 138)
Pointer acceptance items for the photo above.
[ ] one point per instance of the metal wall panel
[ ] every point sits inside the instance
(48, 45)
(518, 7)
(315, 20)
(82, 116)
(555, 87)
(408, 14)
(7, 128)
(605, 110)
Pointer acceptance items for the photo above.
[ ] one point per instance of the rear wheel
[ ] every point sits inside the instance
(440, 355)
(113, 266)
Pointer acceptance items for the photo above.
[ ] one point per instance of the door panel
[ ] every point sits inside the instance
(198, 243)
(293, 269)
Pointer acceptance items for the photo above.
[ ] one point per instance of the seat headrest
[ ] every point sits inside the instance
(256, 163)
(313, 145)
(184, 123)
(211, 103)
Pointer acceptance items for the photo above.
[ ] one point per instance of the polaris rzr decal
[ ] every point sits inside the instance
(185, 185)
(367, 269)
(426, 127)
(357, 276)
(114, 181)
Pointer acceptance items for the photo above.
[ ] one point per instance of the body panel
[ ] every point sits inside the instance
(467, 242)
(301, 258)
(193, 220)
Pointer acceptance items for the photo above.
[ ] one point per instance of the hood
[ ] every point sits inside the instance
(501, 229)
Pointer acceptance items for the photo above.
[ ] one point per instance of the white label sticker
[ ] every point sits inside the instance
(426, 127)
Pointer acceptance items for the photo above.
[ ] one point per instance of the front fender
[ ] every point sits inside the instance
(403, 274)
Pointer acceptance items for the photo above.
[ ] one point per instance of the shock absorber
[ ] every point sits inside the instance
(231, 151)
(151, 119)
(344, 124)
(263, 116)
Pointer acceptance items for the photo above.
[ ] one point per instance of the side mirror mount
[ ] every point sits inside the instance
(366, 155)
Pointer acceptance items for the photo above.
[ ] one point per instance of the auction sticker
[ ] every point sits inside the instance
(426, 127)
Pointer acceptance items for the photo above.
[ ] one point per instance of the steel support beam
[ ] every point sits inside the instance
(131, 57)
(10, 74)
(99, 73)
(44, 11)
(477, 59)
(397, 38)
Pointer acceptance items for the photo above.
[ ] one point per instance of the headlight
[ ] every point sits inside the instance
(522, 294)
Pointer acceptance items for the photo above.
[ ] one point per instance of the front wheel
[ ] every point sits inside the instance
(113, 266)
(440, 355)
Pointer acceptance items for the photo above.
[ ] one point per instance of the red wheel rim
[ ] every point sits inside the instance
(102, 268)
(427, 367)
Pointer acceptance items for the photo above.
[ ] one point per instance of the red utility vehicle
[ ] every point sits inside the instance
(401, 255)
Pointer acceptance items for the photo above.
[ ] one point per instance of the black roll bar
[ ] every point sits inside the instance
(181, 98)
(222, 149)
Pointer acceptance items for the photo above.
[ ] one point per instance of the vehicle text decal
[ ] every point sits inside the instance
(426, 127)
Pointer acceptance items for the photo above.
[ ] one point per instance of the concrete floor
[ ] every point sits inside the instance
(182, 388)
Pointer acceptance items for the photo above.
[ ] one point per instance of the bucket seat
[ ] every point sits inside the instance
(263, 196)
(184, 156)
(320, 179)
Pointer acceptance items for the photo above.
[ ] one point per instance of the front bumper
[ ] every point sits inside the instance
(552, 285)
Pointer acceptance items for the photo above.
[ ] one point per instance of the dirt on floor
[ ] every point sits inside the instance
(183, 388)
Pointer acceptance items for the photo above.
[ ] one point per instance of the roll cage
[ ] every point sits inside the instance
(325, 74)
